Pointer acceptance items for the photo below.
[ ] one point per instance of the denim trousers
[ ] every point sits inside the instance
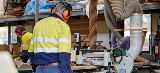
(48, 69)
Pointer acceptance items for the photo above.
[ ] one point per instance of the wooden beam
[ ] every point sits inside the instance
(93, 20)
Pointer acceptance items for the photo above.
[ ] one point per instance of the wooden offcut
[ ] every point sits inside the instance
(85, 67)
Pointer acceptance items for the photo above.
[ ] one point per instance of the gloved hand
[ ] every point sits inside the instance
(123, 9)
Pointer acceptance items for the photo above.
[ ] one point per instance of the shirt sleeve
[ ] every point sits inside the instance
(31, 53)
(127, 46)
(64, 46)
(24, 57)
(115, 45)
(31, 57)
(31, 47)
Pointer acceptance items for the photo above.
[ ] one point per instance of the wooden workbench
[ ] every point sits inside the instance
(135, 63)
(141, 64)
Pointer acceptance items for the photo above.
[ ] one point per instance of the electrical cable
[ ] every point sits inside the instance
(89, 31)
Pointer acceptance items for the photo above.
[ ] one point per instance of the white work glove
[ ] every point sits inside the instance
(123, 9)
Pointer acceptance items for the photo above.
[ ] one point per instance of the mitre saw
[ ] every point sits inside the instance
(113, 61)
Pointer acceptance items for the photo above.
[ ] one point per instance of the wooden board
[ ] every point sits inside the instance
(141, 63)
(85, 66)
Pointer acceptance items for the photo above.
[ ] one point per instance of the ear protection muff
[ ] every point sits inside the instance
(66, 14)
(19, 32)
(52, 10)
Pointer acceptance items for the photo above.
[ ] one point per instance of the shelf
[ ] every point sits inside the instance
(151, 7)
(147, 8)
(12, 3)
(72, 3)
(154, 6)
(32, 17)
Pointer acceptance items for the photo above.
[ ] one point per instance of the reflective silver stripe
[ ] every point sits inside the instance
(46, 50)
(45, 39)
(51, 40)
(64, 40)
(31, 41)
(25, 46)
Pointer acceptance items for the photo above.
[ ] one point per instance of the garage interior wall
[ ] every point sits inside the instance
(77, 26)
(29, 26)
(103, 33)
(155, 16)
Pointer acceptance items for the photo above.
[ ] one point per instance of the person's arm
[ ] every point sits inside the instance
(114, 46)
(127, 45)
(145, 61)
(64, 46)
(24, 56)
(31, 53)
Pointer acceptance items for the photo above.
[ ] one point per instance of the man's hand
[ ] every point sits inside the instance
(111, 47)
(147, 62)
(18, 58)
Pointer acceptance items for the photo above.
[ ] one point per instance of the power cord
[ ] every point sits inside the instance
(89, 31)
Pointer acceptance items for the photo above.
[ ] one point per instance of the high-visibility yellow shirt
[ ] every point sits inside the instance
(50, 37)
(26, 38)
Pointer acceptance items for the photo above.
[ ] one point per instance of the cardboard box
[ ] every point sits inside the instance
(15, 49)
(4, 47)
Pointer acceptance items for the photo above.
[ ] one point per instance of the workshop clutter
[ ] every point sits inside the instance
(12, 7)
(44, 7)
(18, 10)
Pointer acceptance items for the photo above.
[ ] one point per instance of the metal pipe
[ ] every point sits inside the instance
(109, 23)
(113, 19)
(37, 11)
(135, 36)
